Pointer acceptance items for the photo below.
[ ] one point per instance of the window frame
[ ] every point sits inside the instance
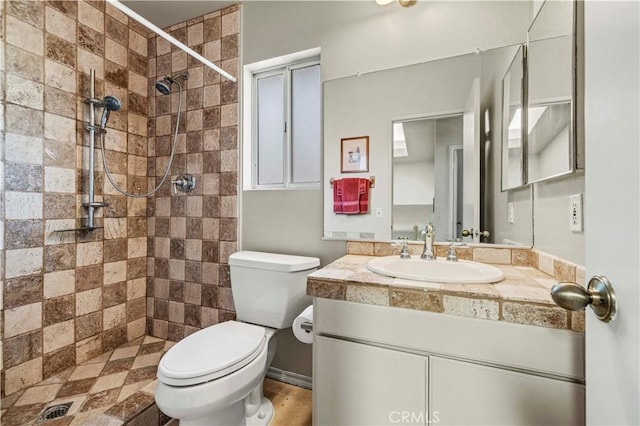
(287, 174)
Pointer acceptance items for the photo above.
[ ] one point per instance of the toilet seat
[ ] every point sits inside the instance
(211, 353)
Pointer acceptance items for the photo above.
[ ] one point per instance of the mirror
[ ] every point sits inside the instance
(550, 93)
(428, 177)
(462, 95)
(513, 173)
(369, 105)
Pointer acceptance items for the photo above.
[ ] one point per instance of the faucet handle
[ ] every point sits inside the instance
(404, 253)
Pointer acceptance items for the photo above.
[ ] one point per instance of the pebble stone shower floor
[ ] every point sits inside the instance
(116, 388)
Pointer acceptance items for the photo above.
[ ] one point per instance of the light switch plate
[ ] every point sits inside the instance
(575, 213)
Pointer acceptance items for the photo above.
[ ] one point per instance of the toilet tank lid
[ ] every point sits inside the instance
(273, 261)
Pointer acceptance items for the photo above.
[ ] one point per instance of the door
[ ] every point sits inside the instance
(471, 142)
(612, 227)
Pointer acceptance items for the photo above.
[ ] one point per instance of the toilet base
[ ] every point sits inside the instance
(264, 414)
(231, 415)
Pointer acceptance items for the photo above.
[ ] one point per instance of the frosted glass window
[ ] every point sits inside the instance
(305, 124)
(286, 126)
(270, 135)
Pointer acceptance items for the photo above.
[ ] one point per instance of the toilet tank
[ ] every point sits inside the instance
(270, 289)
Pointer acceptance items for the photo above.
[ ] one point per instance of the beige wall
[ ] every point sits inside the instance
(70, 296)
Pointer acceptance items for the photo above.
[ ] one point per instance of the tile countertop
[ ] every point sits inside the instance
(522, 297)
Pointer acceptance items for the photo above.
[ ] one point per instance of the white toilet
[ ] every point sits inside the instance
(214, 376)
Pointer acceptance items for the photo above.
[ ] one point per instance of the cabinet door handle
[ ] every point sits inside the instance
(599, 295)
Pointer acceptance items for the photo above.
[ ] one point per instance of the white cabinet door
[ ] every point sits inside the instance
(355, 384)
(463, 393)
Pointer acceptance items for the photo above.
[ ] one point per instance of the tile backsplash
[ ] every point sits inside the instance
(560, 269)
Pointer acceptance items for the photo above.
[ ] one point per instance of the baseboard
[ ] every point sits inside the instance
(289, 377)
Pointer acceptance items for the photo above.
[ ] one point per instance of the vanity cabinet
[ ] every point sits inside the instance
(376, 365)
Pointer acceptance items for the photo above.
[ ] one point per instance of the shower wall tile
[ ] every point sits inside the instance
(20, 33)
(58, 310)
(60, 50)
(189, 258)
(23, 63)
(59, 180)
(23, 262)
(60, 102)
(24, 92)
(23, 177)
(59, 24)
(116, 52)
(138, 43)
(57, 336)
(23, 375)
(23, 234)
(116, 29)
(90, 16)
(24, 121)
(59, 76)
(91, 290)
(30, 12)
(22, 319)
(72, 278)
(25, 347)
(58, 284)
(22, 291)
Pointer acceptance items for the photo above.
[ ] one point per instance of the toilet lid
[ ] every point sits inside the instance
(211, 353)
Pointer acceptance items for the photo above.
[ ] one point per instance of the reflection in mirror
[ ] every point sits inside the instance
(550, 83)
(428, 177)
(513, 175)
(548, 147)
(427, 98)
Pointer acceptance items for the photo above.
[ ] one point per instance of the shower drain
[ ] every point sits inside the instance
(56, 411)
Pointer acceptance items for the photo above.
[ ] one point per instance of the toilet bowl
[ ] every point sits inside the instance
(208, 379)
(215, 376)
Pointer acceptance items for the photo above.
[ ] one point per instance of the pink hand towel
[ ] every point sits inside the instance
(337, 196)
(351, 195)
(363, 187)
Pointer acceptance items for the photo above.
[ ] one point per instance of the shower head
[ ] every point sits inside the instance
(109, 103)
(164, 86)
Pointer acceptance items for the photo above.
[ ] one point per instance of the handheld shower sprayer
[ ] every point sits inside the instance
(109, 103)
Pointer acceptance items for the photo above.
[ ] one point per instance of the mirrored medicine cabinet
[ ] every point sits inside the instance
(541, 144)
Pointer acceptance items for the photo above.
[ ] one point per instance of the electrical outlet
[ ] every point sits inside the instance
(575, 212)
(511, 219)
(379, 212)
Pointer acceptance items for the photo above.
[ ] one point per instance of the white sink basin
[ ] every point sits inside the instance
(438, 271)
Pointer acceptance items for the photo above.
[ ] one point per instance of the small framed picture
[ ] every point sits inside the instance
(354, 154)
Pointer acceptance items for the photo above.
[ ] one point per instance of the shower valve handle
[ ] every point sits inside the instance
(184, 183)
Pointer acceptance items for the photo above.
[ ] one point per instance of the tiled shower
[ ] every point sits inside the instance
(159, 265)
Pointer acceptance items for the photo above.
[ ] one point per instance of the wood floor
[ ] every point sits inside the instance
(292, 404)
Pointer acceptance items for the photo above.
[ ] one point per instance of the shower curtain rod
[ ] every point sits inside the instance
(170, 39)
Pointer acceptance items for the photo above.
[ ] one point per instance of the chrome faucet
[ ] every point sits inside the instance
(429, 234)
